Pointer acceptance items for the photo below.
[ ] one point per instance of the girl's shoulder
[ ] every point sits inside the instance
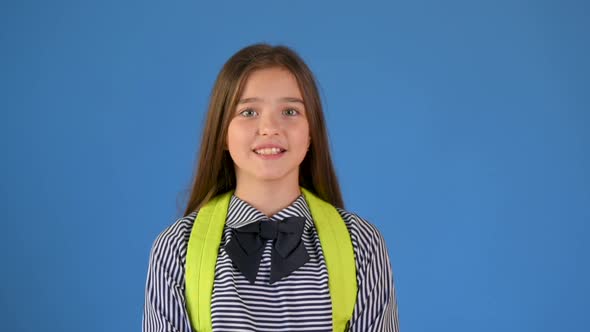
(173, 240)
(367, 240)
(359, 226)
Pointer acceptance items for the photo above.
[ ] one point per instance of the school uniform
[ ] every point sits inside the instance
(299, 301)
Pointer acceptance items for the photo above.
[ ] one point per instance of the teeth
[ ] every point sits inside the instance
(268, 151)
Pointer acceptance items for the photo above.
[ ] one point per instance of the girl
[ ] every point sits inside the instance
(284, 251)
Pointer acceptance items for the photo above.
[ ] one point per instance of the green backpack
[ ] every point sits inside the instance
(203, 249)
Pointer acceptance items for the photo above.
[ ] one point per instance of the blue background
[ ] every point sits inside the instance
(459, 128)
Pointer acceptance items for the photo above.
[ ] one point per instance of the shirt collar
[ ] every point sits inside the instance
(241, 213)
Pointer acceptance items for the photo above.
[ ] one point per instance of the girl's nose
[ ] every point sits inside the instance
(268, 124)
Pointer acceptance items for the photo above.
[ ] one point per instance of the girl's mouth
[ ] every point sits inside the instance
(269, 151)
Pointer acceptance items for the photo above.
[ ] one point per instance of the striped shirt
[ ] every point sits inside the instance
(298, 302)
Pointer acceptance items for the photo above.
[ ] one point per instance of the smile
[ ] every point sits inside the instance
(269, 151)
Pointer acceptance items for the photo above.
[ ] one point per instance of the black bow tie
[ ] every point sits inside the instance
(288, 252)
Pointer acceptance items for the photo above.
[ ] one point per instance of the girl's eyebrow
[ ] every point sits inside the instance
(284, 99)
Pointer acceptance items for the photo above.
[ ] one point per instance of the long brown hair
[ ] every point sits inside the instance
(215, 170)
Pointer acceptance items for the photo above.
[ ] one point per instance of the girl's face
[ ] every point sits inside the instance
(268, 135)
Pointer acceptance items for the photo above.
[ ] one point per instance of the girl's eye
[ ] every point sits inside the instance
(248, 113)
(290, 112)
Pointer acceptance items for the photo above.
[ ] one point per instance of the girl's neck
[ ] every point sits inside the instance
(268, 198)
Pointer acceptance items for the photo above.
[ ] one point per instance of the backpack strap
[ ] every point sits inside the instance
(339, 255)
(203, 249)
(201, 257)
